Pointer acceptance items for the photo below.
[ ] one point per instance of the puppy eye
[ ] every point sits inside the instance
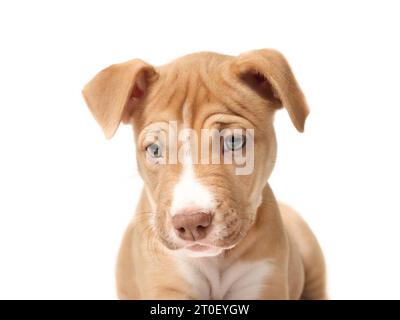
(232, 143)
(154, 150)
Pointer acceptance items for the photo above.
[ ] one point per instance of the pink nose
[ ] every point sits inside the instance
(192, 225)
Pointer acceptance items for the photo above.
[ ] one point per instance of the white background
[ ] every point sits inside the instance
(66, 194)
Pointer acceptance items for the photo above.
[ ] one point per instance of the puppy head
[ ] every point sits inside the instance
(203, 126)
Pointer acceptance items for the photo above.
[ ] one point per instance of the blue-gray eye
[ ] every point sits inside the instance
(154, 150)
(232, 143)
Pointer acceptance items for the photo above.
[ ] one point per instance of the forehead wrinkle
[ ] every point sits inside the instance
(166, 100)
(202, 86)
(230, 96)
(185, 88)
(203, 95)
(191, 98)
(224, 107)
(208, 83)
(200, 102)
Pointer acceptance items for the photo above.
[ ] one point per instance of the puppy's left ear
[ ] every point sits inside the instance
(114, 93)
(268, 73)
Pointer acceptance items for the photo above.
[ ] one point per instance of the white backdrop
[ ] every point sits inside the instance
(66, 194)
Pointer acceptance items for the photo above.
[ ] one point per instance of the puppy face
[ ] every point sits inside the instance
(203, 127)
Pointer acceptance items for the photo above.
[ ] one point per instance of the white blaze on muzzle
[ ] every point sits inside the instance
(189, 192)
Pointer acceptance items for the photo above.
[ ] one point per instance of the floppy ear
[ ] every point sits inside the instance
(269, 74)
(115, 91)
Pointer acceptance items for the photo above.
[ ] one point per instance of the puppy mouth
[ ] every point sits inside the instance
(197, 250)
(198, 247)
(221, 244)
(202, 247)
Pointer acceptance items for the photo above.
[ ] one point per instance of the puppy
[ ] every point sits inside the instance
(209, 228)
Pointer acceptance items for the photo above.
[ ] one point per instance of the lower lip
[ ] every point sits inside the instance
(198, 248)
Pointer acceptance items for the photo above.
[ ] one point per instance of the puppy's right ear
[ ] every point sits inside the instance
(115, 91)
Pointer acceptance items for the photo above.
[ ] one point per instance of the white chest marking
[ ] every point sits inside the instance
(210, 279)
